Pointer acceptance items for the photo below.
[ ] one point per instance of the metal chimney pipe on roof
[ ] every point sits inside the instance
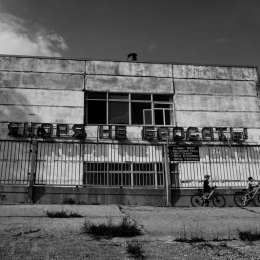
(132, 57)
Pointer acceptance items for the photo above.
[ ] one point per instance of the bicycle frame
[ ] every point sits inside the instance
(201, 199)
(210, 195)
(242, 199)
(254, 192)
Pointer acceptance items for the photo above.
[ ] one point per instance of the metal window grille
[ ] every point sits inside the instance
(123, 165)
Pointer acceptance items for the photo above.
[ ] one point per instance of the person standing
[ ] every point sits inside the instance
(251, 185)
(206, 189)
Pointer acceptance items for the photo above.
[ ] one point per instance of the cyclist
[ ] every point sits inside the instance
(251, 186)
(207, 189)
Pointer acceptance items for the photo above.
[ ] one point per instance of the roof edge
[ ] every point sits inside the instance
(116, 60)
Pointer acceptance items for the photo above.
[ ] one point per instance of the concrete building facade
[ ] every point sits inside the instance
(111, 131)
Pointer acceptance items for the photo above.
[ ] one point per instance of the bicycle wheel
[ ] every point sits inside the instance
(219, 201)
(197, 201)
(241, 200)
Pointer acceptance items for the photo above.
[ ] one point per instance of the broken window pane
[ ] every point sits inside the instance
(141, 97)
(168, 117)
(118, 113)
(137, 112)
(148, 117)
(158, 117)
(163, 117)
(96, 112)
(166, 98)
(162, 105)
(96, 95)
(118, 96)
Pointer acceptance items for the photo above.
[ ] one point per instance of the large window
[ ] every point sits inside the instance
(129, 109)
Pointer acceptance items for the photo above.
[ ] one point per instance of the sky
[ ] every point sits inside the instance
(224, 32)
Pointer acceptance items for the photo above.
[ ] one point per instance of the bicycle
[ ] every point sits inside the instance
(244, 197)
(202, 199)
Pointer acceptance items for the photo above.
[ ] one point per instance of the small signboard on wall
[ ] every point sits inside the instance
(184, 153)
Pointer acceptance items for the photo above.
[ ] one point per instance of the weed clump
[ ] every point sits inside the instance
(134, 248)
(69, 201)
(56, 214)
(62, 214)
(75, 215)
(197, 236)
(125, 228)
(194, 238)
(181, 239)
(249, 235)
(183, 236)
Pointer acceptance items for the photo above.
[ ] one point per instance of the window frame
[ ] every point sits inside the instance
(130, 101)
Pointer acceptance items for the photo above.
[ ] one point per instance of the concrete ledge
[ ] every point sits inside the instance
(43, 64)
(100, 196)
(107, 196)
(13, 194)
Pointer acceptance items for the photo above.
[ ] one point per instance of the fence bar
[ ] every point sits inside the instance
(229, 166)
(14, 162)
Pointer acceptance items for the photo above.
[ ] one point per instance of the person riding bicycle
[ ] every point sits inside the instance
(251, 186)
(207, 189)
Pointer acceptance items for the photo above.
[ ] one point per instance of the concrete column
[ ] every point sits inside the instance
(32, 171)
(167, 177)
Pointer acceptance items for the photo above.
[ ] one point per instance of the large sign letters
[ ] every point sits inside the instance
(192, 134)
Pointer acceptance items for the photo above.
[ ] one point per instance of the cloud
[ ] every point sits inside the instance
(19, 38)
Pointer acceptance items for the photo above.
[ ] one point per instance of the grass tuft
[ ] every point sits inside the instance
(249, 235)
(56, 214)
(69, 201)
(195, 237)
(75, 215)
(62, 214)
(134, 248)
(183, 235)
(126, 228)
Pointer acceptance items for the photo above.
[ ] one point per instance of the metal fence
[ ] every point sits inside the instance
(14, 162)
(227, 166)
(131, 165)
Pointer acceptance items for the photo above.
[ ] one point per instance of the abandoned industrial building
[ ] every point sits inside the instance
(125, 132)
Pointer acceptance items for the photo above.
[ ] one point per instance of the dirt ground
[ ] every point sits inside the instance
(27, 233)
